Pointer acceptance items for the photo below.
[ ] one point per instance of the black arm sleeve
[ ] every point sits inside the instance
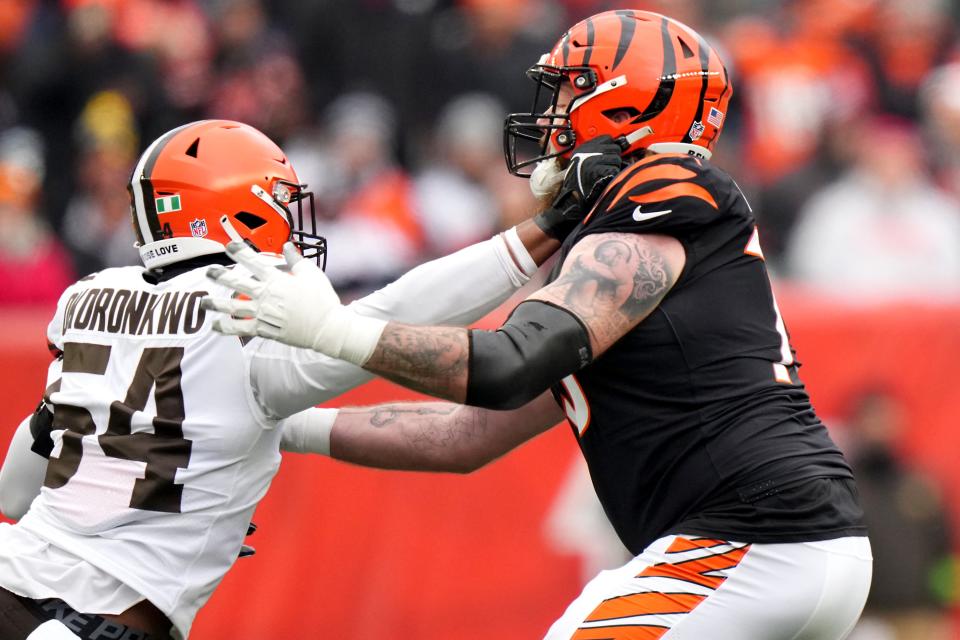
(537, 346)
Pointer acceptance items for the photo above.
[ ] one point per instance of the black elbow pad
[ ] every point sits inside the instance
(539, 345)
(41, 425)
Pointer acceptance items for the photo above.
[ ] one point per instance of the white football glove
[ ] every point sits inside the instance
(299, 308)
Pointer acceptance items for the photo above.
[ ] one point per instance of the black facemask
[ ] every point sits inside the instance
(526, 135)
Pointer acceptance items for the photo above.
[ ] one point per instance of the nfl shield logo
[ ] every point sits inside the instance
(198, 228)
(696, 130)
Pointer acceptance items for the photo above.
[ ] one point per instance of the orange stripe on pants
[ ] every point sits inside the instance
(623, 632)
(647, 603)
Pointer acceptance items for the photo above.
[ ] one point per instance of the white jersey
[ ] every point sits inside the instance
(166, 434)
(164, 452)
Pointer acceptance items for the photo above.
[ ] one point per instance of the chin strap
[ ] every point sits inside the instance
(639, 134)
(665, 147)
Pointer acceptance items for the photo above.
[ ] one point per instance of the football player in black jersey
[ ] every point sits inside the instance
(657, 335)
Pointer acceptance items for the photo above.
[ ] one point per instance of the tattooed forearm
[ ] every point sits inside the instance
(428, 359)
(388, 414)
(427, 436)
(427, 426)
(436, 432)
(436, 436)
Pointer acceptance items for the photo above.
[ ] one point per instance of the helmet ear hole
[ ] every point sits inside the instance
(249, 220)
(621, 115)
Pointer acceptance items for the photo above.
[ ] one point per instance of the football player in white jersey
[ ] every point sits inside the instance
(162, 435)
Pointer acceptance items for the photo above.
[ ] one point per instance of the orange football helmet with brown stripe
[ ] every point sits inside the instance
(192, 176)
(634, 75)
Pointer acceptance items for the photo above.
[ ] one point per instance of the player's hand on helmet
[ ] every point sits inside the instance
(272, 304)
(276, 305)
(592, 166)
(298, 307)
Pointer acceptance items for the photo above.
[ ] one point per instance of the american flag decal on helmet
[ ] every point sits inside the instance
(715, 117)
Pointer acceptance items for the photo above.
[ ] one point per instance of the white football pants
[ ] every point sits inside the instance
(52, 630)
(691, 588)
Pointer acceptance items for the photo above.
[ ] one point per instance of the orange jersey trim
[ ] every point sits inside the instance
(627, 173)
(677, 190)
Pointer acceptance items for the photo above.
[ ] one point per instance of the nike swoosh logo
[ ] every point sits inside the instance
(640, 216)
(579, 158)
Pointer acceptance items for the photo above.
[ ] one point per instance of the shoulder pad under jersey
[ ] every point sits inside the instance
(669, 194)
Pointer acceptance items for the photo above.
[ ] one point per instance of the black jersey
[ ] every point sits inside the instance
(694, 418)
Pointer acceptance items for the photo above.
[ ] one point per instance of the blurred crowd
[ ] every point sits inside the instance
(844, 131)
(914, 567)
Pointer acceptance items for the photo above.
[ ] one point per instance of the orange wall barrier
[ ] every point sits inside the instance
(344, 552)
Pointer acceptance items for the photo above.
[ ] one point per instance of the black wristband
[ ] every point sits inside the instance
(560, 218)
(552, 223)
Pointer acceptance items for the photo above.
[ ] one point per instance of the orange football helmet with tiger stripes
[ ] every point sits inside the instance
(634, 75)
(192, 176)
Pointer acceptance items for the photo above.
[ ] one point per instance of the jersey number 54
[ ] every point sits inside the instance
(164, 451)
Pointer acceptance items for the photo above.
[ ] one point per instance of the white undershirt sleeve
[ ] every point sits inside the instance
(23, 470)
(309, 431)
(453, 290)
(22, 474)
(457, 289)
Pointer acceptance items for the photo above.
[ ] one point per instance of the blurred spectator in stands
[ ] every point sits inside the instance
(259, 81)
(97, 223)
(940, 99)
(176, 35)
(884, 229)
(69, 54)
(795, 75)
(780, 203)
(485, 45)
(381, 45)
(14, 21)
(370, 221)
(908, 528)
(805, 70)
(34, 266)
(901, 45)
(454, 200)
(515, 201)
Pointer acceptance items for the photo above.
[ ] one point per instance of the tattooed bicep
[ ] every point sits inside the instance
(612, 281)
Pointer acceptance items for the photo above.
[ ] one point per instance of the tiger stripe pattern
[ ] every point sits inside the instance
(664, 593)
(656, 178)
